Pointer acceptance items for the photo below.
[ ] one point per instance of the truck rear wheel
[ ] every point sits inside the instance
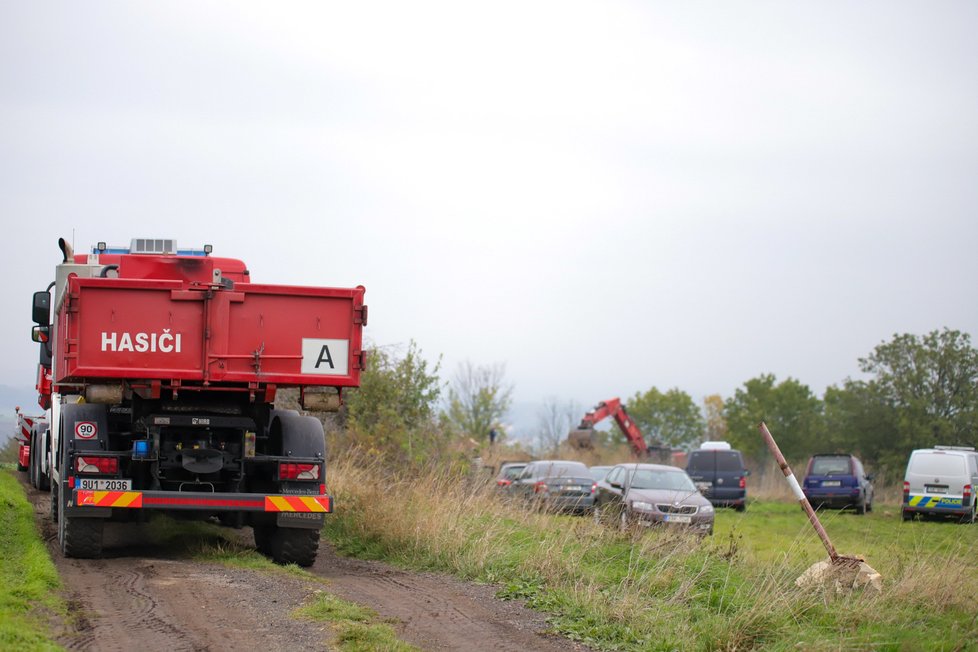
(80, 538)
(40, 479)
(294, 546)
(286, 545)
(32, 463)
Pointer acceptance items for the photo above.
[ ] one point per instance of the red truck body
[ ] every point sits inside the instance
(161, 371)
(160, 330)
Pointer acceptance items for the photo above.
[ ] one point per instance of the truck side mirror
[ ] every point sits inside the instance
(40, 334)
(42, 308)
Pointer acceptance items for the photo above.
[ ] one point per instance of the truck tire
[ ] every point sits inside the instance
(78, 537)
(32, 462)
(292, 435)
(40, 476)
(54, 502)
(294, 546)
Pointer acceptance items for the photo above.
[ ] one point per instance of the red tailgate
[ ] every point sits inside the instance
(173, 330)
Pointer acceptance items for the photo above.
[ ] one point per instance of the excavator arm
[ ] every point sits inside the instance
(610, 408)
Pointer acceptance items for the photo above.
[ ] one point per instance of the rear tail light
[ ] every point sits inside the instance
(594, 487)
(290, 471)
(504, 483)
(743, 483)
(540, 488)
(94, 464)
(966, 495)
(906, 492)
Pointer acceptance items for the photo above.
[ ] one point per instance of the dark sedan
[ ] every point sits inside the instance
(650, 494)
(556, 485)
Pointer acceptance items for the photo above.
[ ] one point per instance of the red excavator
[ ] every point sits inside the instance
(583, 437)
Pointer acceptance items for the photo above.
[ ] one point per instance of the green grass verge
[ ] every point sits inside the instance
(357, 628)
(28, 580)
(659, 591)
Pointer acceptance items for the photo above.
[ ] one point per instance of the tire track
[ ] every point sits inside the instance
(437, 612)
(138, 598)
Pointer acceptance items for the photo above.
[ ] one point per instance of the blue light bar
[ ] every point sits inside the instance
(121, 251)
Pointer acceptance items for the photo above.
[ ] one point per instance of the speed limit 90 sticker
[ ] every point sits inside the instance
(85, 429)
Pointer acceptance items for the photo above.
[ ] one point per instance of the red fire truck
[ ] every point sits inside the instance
(163, 367)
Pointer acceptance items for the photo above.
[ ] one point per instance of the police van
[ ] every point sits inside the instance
(941, 481)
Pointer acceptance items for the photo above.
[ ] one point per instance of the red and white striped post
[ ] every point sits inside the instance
(799, 494)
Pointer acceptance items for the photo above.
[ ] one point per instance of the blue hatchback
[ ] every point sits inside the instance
(838, 480)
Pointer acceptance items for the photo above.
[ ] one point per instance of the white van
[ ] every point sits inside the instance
(941, 481)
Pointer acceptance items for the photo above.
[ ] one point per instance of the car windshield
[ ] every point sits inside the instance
(668, 480)
(830, 466)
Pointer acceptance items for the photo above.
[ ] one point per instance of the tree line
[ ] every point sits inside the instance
(918, 391)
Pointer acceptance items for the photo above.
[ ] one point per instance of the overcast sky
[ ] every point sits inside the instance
(604, 196)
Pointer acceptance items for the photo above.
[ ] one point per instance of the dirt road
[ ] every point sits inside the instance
(141, 596)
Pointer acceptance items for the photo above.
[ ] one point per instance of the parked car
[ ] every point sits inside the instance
(599, 472)
(718, 470)
(509, 472)
(556, 485)
(941, 481)
(651, 494)
(840, 481)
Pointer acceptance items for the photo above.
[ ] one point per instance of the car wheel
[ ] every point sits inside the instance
(597, 515)
(907, 516)
(741, 507)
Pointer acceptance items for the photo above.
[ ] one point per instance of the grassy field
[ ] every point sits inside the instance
(663, 591)
(28, 579)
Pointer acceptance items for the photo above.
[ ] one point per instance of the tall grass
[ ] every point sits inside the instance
(662, 589)
(28, 579)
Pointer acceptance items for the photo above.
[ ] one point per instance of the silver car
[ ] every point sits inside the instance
(652, 494)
